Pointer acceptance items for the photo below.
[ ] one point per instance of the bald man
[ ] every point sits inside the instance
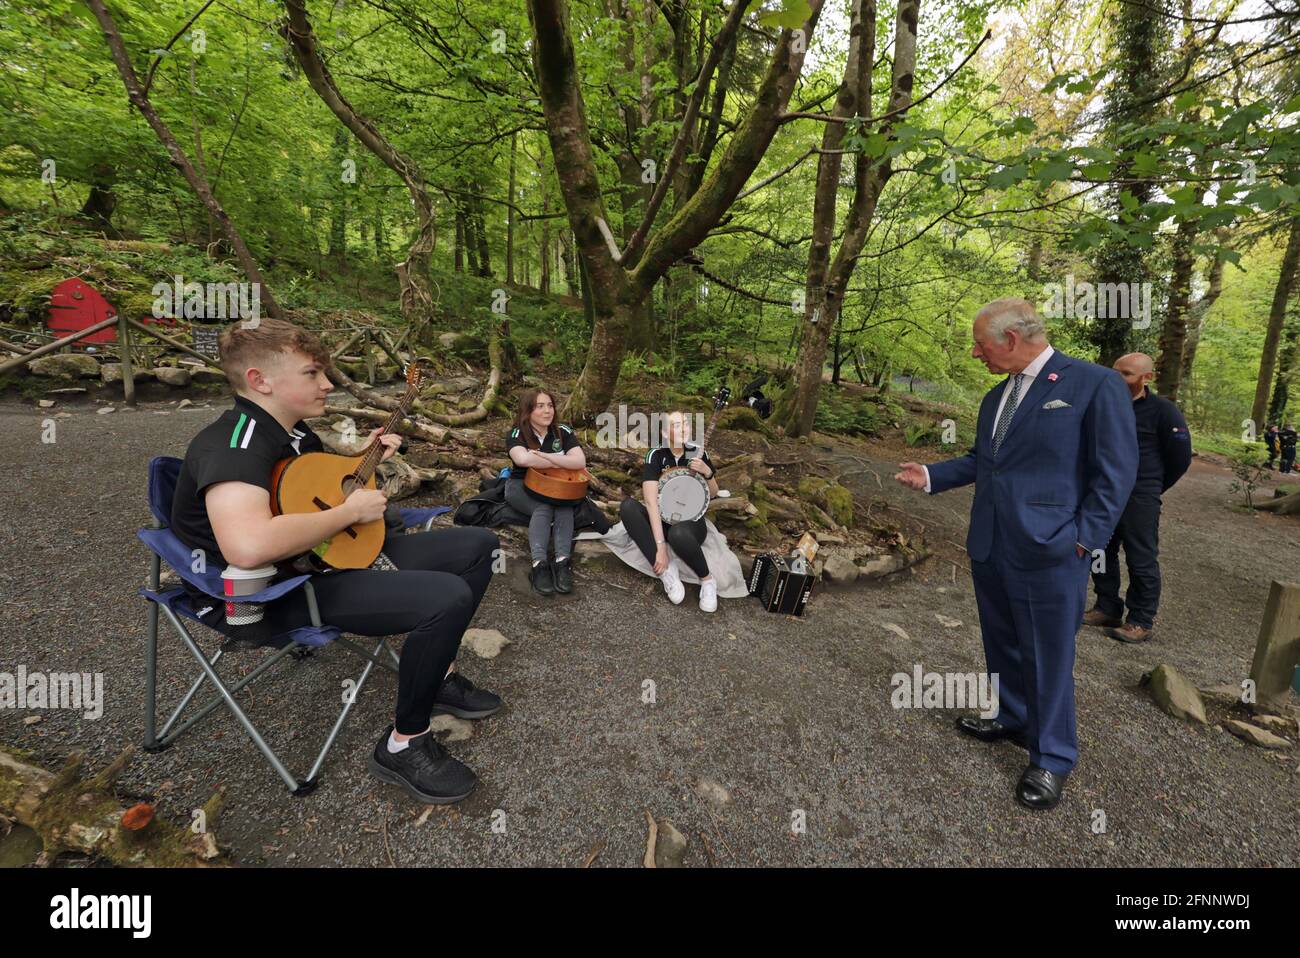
(1164, 453)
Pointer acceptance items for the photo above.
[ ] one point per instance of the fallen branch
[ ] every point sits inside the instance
(72, 815)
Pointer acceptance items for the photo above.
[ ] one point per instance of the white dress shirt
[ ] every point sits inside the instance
(1030, 373)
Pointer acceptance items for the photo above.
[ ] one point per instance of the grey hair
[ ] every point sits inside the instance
(1004, 315)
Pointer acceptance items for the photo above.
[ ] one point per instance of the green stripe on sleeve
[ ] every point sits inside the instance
(234, 436)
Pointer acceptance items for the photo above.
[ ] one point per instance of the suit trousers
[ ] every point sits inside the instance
(1029, 618)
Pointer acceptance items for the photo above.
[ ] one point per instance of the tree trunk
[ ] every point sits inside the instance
(338, 250)
(178, 158)
(414, 289)
(480, 237)
(1197, 320)
(102, 201)
(510, 216)
(614, 290)
(1140, 40)
(827, 284)
(1276, 317)
(1286, 369)
(460, 237)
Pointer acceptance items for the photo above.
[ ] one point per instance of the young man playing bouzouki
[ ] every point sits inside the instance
(223, 507)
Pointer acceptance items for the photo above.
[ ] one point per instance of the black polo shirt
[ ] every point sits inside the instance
(657, 460)
(559, 438)
(1286, 438)
(1164, 444)
(243, 445)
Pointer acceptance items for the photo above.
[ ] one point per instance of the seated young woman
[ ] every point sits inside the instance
(653, 535)
(538, 441)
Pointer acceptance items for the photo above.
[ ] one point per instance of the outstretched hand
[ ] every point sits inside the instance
(912, 476)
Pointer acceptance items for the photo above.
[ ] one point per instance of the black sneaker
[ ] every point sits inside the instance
(542, 580)
(563, 575)
(460, 697)
(424, 769)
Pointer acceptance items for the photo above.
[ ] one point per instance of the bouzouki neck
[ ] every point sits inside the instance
(375, 451)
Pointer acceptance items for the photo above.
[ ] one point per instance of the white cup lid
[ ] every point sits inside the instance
(236, 573)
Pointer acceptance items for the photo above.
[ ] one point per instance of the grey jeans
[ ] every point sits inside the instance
(546, 524)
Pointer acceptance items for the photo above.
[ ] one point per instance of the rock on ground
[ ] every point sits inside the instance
(1177, 696)
(485, 643)
(1255, 735)
(670, 846)
(66, 365)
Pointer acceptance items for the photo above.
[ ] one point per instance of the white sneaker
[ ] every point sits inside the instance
(673, 585)
(709, 596)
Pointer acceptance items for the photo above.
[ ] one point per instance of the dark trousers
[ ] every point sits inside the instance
(1288, 459)
(440, 582)
(1028, 620)
(685, 538)
(1139, 533)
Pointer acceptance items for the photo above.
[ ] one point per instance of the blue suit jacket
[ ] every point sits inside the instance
(1062, 476)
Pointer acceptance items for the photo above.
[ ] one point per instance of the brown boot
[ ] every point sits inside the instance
(1133, 634)
(1100, 619)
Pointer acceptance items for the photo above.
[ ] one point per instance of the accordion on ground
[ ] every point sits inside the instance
(778, 587)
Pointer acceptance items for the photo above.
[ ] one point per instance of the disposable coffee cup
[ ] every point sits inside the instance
(238, 582)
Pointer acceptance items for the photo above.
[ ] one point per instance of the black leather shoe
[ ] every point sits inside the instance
(460, 697)
(990, 730)
(424, 769)
(563, 576)
(542, 580)
(1040, 789)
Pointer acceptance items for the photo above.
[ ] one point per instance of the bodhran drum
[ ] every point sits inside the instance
(683, 495)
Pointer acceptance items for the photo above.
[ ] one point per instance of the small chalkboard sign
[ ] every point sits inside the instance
(205, 339)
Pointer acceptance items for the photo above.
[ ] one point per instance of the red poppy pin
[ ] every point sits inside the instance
(1051, 377)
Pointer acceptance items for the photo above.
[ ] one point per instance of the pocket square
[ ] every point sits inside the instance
(1056, 404)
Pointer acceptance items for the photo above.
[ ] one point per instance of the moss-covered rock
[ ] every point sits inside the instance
(831, 497)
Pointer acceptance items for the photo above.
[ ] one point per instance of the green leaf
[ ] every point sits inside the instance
(1008, 176)
(1053, 171)
(792, 15)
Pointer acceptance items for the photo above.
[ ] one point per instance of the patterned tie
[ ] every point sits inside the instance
(1008, 411)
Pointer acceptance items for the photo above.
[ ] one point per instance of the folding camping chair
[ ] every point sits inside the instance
(177, 605)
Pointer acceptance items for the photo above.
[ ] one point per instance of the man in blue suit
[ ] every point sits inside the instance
(1054, 461)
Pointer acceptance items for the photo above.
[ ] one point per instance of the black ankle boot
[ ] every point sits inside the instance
(542, 580)
(562, 575)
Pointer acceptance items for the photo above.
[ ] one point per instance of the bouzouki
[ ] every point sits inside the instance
(683, 492)
(316, 481)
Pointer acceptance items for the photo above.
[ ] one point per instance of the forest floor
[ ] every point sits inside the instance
(789, 715)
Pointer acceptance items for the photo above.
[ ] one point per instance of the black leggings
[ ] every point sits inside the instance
(686, 538)
(440, 582)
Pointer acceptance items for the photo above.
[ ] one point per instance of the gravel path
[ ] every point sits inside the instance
(789, 715)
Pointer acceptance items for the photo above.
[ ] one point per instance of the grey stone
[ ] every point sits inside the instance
(881, 566)
(66, 365)
(1177, 696)
(670, 846)
(173, 376)
(1255, 735)
(208, 375)
(711, 791)
(45, 403)
(112, 373)
(458, 730)
(185, 404)
(485, 643)
(839, 568)
(104, 411)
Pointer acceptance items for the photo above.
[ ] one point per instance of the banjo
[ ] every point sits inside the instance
(683, 492)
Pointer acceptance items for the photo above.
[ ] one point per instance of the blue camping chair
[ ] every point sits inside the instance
(177, 605)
